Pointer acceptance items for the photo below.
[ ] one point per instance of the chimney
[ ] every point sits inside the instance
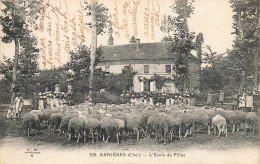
(137, 44)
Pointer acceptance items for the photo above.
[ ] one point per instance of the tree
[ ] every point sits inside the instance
(99, 18)
(245, 49)
(167, 25)
(199, 41)
(182, 40)
(80, 64)
(18, 21)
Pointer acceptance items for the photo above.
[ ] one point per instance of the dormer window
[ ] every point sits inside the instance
(115, 55)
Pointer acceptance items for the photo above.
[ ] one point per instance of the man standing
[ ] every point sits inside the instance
(18, 104)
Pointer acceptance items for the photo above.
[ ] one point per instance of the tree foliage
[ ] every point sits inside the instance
(245, 22)
(101, 16)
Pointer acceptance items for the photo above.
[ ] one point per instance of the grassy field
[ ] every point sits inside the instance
(12, 129)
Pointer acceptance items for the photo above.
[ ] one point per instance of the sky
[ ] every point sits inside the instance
(63, 26)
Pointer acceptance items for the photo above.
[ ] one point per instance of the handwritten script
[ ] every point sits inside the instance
(61, 31)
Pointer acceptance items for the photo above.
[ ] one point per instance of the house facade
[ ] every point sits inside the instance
(146, 59)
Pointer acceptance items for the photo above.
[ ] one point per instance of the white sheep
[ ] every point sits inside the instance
(221, 124)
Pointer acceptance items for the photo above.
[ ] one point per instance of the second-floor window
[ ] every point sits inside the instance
(107, 69)
(146, 69)
(168, 69)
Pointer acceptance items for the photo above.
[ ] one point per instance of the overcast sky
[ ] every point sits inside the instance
(211, 17)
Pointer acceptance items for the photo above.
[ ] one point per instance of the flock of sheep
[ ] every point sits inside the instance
(103, 122)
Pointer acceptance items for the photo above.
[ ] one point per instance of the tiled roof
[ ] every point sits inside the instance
(157, 50)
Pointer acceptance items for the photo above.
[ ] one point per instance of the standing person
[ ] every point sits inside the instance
(175, 99)
(221, 97)
(249, 102)
(188, 99)
(18, 104)
(184, 99)
(209, 98)
(40, 102)
(180, 98)
(242, 102)
(256, 100)
(234, 101)
(192, 99)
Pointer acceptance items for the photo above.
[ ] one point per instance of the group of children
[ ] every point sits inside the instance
(165, 99)
(247, 102)
(15, 110)
(47, 100)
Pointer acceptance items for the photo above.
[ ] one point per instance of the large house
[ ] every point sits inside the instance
(146, 59)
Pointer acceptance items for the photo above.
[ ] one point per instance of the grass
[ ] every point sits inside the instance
(12, 129)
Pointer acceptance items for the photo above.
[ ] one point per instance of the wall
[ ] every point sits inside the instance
(156, 67)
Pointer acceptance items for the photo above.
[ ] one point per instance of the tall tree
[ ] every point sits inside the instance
(199, 41)
(183, 40)
(99, 16)
(18, 21)
(245, 49)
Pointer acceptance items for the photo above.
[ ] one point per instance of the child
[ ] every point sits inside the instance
(10, 113)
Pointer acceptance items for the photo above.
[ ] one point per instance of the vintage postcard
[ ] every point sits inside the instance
(129, 81)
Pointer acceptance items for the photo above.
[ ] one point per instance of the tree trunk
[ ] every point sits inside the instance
(93, 48)
(242, 82)
(257, 52)
(16, 54)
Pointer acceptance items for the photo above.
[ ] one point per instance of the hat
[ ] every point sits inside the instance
(62, 93)
(40, 94)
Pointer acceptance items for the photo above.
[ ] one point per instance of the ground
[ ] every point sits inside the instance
(12, 135)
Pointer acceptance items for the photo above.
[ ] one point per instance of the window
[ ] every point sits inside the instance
(125, 69)
(146, 69)
(168, 68)
(107, 69)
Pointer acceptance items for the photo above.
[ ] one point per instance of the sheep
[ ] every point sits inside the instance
(31, 121)
(221, 123)
(188, 120)
(203, 120)
(240, 118)
(76, 125)
(159, 124)
(119, 128)
(230, 117)
(134, 123)
(40, 115)
(55, 121)
(108, 124)
(251, 121)
(47, 114)
(174, 123)
(91, 125)
(65, 121)
(121, 116)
